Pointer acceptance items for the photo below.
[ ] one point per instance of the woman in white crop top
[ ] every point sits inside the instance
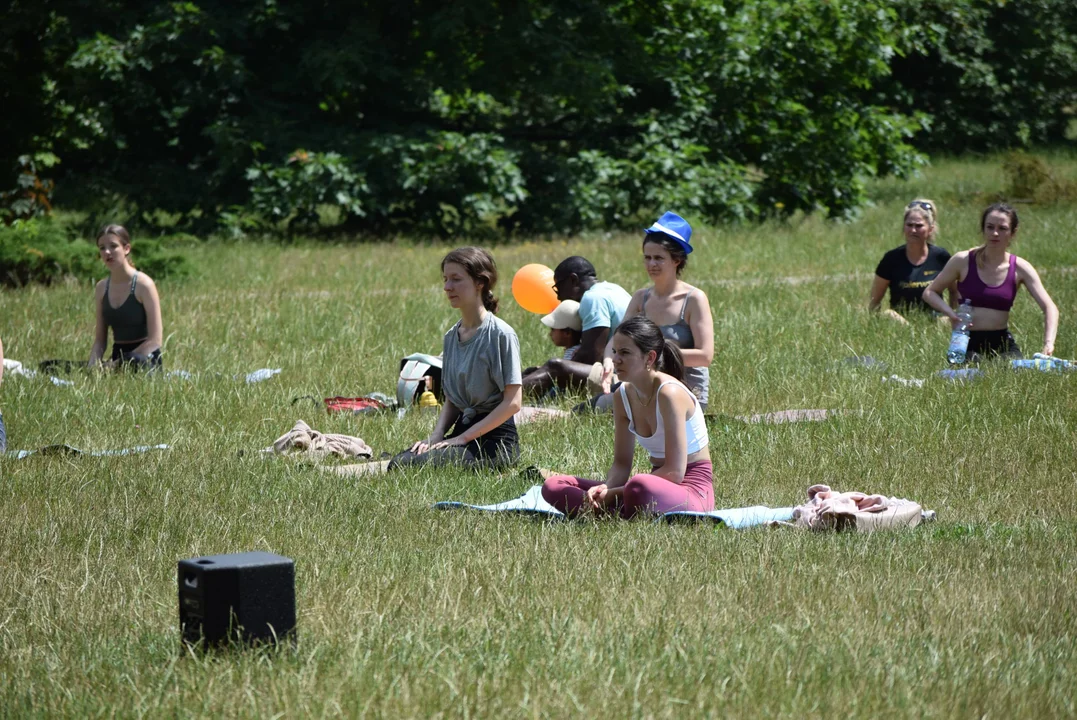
(655, 408)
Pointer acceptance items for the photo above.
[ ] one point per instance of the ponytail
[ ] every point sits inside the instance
(671, 362)
(489, 301)
(648, 337)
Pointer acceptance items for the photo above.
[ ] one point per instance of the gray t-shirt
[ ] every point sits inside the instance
(474, 373)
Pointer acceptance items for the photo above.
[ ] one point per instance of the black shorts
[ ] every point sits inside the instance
(984, 344)
(496, 449)
(124, 355)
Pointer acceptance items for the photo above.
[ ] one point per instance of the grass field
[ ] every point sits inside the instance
(404, 611)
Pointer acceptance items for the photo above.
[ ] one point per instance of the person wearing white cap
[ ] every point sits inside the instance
(565, 332)
(681, 311)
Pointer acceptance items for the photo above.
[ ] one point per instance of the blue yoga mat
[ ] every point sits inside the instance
(532, 503)
(736, 518)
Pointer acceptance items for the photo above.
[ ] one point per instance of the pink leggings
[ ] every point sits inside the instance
(642, 492)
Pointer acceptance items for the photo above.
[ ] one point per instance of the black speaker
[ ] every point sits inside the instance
(245, 597)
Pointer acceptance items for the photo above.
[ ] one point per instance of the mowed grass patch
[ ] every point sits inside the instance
(405, 611)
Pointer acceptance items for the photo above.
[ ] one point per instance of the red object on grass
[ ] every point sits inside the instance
(353, 405)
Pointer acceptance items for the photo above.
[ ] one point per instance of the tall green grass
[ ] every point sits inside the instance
(404, 611)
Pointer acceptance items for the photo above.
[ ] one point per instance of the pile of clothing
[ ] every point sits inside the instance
(304, 439)
(829, 510)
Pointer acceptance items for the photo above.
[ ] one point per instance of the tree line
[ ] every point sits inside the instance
(510, 116)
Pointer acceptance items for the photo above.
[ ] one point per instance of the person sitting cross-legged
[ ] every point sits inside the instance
(565, 332)
(652, 406)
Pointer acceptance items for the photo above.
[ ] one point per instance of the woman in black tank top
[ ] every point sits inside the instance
(127, 302)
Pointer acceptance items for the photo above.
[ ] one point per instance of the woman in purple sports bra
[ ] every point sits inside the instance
(988, 277)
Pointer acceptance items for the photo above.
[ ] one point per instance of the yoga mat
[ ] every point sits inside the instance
(532, 503)
(735, 518)
(68, 450)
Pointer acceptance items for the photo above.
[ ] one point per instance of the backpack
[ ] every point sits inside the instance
(413, 369)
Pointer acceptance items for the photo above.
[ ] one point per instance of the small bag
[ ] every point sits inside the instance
(414, 369)
(354, 405)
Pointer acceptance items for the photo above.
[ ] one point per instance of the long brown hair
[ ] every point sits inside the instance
(480, 266)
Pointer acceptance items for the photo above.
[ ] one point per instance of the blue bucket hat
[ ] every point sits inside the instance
(674, 227)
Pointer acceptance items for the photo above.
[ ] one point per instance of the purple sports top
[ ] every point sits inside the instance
(995, 297)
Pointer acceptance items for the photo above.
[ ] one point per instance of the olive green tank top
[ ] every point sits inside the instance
(128, 321)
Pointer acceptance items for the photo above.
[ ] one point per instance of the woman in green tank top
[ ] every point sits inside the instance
(127, 302)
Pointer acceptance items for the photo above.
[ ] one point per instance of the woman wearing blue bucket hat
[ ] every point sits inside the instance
(682, 311)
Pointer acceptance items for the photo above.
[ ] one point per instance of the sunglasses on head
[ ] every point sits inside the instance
(921, 204)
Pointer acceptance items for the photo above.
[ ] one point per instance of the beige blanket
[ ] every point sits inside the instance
(302, 438)
(828, 509)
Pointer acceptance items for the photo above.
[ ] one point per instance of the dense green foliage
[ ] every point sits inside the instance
(991, 74)
(537, 116)
(44, 251)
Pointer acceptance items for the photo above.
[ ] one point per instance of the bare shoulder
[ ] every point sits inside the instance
(673, 396)
(99, 288)
(144, 286)
(697, 298)
(1024, 268)
(1023, 264)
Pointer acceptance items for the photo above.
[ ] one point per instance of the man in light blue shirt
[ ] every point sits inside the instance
(602, 306)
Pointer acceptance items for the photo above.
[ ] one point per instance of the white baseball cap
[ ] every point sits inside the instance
(566, 316)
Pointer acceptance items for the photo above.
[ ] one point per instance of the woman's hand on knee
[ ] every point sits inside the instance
(425, 445)
(458, 440)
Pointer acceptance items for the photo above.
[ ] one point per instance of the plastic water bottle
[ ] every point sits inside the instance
(959, 339)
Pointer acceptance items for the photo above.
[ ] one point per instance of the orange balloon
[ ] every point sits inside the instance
(532, 286)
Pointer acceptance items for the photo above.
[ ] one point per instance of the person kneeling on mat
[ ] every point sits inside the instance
(652, 406)
(127, 302)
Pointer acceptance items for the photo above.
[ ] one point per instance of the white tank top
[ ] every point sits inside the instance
(695, 426)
